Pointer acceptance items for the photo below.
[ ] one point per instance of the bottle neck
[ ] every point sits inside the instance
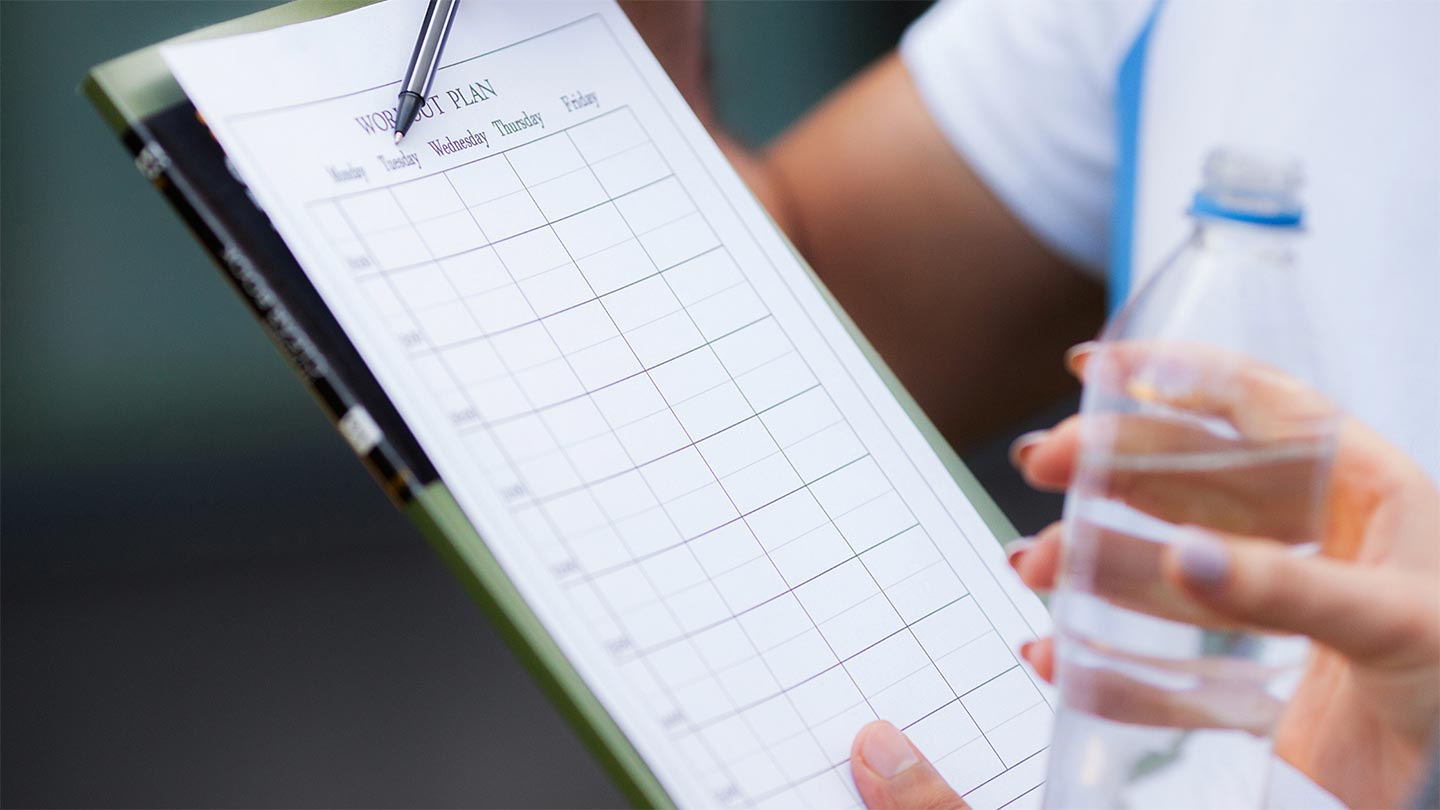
(1264, 243)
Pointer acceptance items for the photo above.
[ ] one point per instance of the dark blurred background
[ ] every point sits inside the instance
(204, 599)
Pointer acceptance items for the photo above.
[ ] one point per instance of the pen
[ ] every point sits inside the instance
(416, 86)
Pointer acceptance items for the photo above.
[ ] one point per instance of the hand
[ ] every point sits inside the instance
(1362, 720)
(890, 772)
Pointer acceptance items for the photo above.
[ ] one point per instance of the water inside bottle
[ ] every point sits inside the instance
(1165, 704)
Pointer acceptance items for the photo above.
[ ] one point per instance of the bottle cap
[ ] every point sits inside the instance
(1246, 187)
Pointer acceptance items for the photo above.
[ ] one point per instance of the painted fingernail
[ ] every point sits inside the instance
(1025, 649)
(1024, 443)
(1076, 355)
(1017, 548)
(887, 752)
(1203, 560)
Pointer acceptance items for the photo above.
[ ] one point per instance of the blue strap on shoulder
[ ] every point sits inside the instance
(1128, 88)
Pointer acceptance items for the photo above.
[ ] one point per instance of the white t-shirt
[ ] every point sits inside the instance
(1029, 92)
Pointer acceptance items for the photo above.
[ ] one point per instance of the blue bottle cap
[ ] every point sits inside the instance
(1244, 187)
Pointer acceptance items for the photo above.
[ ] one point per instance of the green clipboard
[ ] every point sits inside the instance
(143, 104)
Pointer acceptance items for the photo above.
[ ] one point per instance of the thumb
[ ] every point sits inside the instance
(1360, 612)
(890, 772)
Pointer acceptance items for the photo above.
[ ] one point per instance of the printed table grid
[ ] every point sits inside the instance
(457, 254)
(613, 617)
(725, 764)
(744, 451)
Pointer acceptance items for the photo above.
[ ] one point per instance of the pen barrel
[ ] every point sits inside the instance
(426, 58)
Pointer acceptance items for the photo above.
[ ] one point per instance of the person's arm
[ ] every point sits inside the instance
(967, 306)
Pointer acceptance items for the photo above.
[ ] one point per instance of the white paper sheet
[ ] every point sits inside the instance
(639, 398)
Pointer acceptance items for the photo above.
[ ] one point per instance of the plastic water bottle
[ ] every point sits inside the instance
(1200, 413)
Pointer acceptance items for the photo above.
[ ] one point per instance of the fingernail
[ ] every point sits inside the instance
(887, 752)
(1025, 649)
(1203, 560)
(1076, 355)
(1016, 548)
(1024, 443)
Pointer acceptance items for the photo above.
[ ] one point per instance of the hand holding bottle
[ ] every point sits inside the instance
(1362, 719)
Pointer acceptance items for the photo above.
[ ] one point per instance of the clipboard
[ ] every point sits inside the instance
(173, 149)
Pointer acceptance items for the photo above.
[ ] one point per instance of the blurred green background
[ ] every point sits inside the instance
(206, 600)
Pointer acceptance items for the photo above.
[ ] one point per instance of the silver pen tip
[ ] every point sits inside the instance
(398, 136)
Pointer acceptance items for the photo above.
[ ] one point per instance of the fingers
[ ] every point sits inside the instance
(1206, 703)
(1260, 401)
(1041, 656)
(1037, 559)
(1125, 570)
(1077, 356)
(1046, 458)
(1267, 415)
(1365, 613)
(1268, 489)
(1202, 702)
(890, 772)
